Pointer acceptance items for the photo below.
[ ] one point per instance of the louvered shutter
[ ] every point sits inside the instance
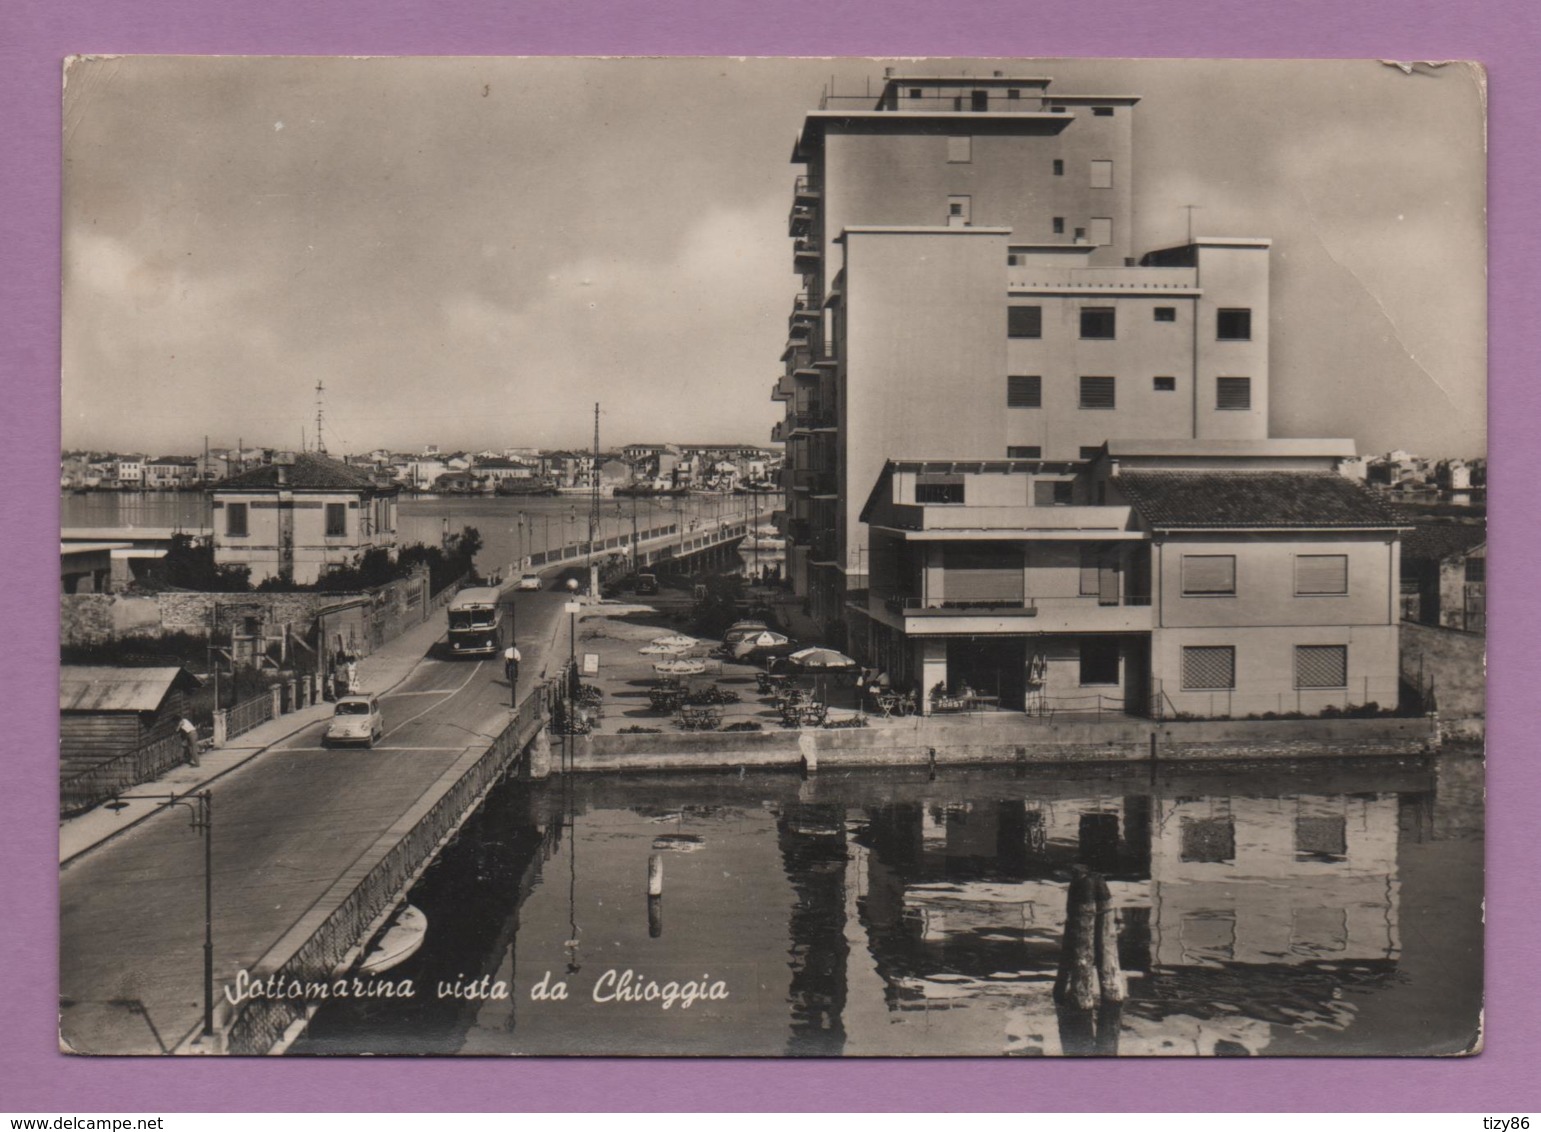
(1209, 574)
(1321, 574)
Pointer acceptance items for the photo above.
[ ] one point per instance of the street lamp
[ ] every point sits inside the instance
(202, 807)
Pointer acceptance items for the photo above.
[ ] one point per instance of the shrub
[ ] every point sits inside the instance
(634, 729)
(745, 725)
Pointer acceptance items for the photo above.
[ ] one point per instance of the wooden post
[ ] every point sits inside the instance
(1075, 985)
(655, 875)
(1111, 977)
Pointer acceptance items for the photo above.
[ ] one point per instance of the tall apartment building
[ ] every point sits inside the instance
(1026, 463)
(969, 288)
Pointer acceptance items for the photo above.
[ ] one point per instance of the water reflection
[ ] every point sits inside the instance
(885, 914)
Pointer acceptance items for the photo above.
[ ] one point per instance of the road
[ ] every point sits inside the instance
(287, 825)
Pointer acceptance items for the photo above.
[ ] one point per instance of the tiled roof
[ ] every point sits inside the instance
(1232, 500)
(1434, 542)
(308, 472)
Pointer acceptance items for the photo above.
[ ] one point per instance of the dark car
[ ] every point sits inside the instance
(647, 583)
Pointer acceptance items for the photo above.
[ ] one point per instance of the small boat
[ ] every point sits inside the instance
(397, 942)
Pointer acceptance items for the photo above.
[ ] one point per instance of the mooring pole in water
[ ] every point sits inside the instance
(655, 896)
(655, 875)
(1076, 985)
(1109, 974)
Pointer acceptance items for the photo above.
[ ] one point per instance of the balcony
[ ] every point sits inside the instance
(1019, 522)
(783, 389)
(817, 483)
(778, 433)
(800, 220)
(805, 190)
(806, 255)
(823, 548)
(928, 617)
(800, 531)
(814, 419)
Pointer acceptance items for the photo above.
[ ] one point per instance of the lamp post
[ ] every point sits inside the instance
(202, 806)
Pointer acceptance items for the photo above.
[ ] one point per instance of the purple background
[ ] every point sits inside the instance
(34, 37)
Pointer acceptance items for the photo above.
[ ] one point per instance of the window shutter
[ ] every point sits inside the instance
(1233, 393)
(1209, 668)
(1024, 392)
(1024, 322)
(1209, 574)
(1089, 560)
(1097, 393)
(1321, 574)
(1321, 666)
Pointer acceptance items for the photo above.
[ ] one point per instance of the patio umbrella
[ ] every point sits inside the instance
(741, 629)
(680, 667)
(661, 650)
(764, 639)
(676, 641)
(822, 660)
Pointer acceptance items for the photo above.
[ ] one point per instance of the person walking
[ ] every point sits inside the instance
(511, 660)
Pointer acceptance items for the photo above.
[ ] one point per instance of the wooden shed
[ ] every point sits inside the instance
(107, 711)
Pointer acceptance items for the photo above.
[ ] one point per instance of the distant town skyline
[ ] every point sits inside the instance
(470, 252)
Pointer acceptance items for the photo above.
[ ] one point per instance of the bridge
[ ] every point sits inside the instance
(669, 549)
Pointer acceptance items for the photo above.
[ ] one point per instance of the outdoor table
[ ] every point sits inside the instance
(700, 718)
(887, 702)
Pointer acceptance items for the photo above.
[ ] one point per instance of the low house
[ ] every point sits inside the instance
(107, 711)
(1218, 579)
(299, 516)
(1444, 575)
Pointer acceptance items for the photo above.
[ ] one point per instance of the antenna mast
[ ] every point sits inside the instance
(320, 443)
(594, 490)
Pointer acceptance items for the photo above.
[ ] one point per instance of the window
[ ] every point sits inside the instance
(1476, 570)
(959, 211)
(1024, 392)
(1321, 666)
(1090, 451)
(1097, 393)
(1209, 575)
(1233, 393)
(1099, 661)
(1209, 668)
(939, 489)
(1052, 493)
(336, 520)
(1207, 841)
(1024, 322)
(1102, 112)
(235, 520)
(1321, 838)
(1166, 314)
(1097, 322)
(1015, 259)
(1080, 233)
(1102, 175)
(1102, 231)
(1013, 93)
(960, 150)
(1233, 325)
(1059, 225)
(1024, 452)
(1059, 167)
(1165, 384)
(914, 92)
(979, 100)
(1321, 573)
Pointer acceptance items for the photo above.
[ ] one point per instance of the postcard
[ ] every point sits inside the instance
(772, 557)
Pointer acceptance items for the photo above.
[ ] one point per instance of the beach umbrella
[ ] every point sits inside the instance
(680, 667)
(763, 639)
(822, 660)
(676, 641)
(660, 650)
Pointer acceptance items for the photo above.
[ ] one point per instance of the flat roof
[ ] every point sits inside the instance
(920, 230)
(1282, 446)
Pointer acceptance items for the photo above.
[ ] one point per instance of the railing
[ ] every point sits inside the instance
(98, 783)
(805, 186)
(260, 1024)
(1087, 705)
(910, 606)
(439, 600)
(814, 418)
(244, 716)
(805, 248)
(996, 101)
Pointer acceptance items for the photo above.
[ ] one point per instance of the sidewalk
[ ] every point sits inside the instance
(378, 673)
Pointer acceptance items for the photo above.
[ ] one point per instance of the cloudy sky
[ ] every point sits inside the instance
(472, 252)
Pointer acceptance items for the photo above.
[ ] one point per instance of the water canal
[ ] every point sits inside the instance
(1319, 908)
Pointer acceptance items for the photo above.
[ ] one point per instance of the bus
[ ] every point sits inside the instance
(476, 622)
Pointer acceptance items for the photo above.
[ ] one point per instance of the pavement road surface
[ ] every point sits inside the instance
(287, 825)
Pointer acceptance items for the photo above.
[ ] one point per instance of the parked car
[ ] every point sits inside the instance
(528, 582)
(356, 719)
(647, 583)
